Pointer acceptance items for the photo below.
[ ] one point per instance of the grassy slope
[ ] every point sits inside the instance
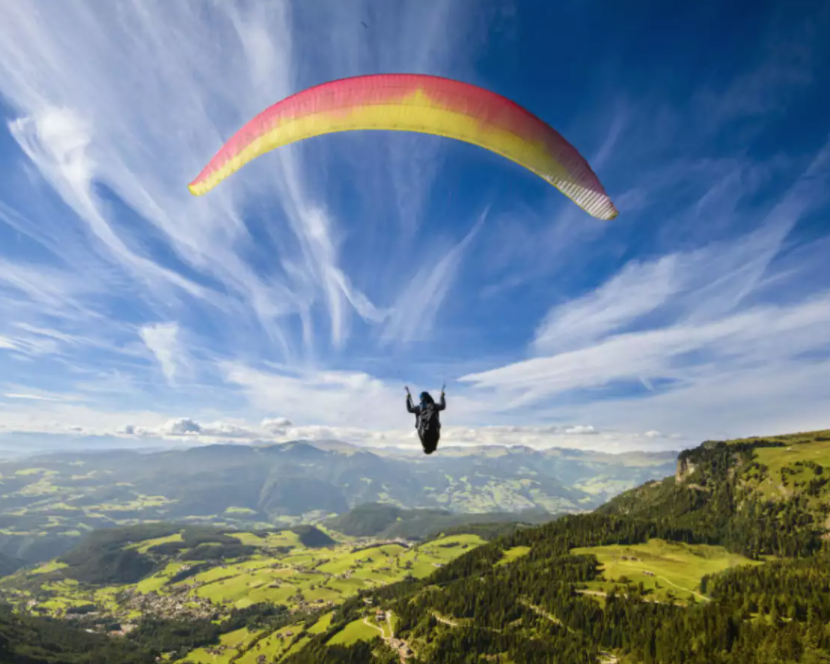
(676, 567)
(357, 630)
(235, 644)
(772, 470)
(512, 553)
(273, 645)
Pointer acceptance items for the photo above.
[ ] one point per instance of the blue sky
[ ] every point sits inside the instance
(297, 298)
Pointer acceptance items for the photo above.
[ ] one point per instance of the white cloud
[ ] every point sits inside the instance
(415, 311)
(89, 110)
(187, 427)
(181, 427)
(742, 340)
(162, 339)
(228, 430)
(584, 437)
(581, 429)
(638, 289)
(544, 437)
(32, 397)
(10, 344)
(277, 426)
(43, 284)
(57, 140)
(702, 284)
(336, 398)
(57, 416)
(63, 138)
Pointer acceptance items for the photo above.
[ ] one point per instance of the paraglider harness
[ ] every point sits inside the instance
(427, 422)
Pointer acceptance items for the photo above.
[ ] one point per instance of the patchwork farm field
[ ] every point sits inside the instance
(278, 570)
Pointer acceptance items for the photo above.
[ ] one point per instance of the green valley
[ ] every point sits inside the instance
(246, 570)
(275, 568)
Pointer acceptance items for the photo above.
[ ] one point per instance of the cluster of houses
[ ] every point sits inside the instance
(403, 649)
(176, 605)
(304, 605)
(125, 629)
(398, 644)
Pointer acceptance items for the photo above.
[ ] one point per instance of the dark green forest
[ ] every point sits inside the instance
(8, 564)
(383, 520)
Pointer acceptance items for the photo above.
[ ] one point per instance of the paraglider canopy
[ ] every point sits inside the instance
(416, 103)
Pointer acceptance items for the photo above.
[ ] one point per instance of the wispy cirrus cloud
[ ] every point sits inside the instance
(162, 339)
(680, 323)
(415, 311)
(39, 396)
(338, 398)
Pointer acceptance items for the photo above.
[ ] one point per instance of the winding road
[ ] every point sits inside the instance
(444, 620)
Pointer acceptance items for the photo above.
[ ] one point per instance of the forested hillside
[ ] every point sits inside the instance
(26, 639)
(8, 564)
(758, 496)
(390, 521)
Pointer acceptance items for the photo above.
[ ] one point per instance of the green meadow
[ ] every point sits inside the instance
(776, 458)
(357, 630)
(670, 571)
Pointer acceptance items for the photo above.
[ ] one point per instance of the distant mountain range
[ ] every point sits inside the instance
(47, 502)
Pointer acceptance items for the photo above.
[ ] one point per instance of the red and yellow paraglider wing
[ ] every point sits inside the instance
(418, 103)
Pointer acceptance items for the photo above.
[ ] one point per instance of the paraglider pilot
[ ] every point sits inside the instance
(426, 419)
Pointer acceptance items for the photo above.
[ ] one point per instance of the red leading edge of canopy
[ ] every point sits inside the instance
(489, 108)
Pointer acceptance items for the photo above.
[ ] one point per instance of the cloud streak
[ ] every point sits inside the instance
(162, 341)
(415, 312)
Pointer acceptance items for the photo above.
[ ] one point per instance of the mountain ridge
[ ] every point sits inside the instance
(61, 496)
